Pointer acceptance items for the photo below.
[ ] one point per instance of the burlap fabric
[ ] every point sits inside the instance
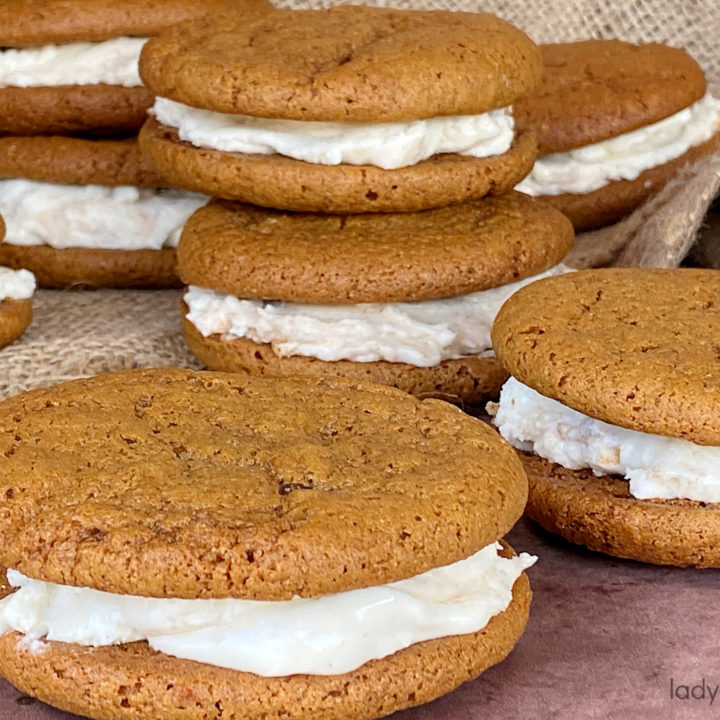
(84, 333)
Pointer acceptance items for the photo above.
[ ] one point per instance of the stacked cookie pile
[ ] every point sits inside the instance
(364, 160)
(81, 205)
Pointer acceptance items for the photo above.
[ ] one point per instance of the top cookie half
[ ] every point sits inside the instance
(348, 63)
(598, 89)
(633, 347)
(183, 484)
(39, 22)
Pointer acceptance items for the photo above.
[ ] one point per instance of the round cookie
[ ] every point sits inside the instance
(196, 484)
(600, 513)
(349, 64)
(613, 202)
(597, 89)
(276, 181)
(132, 681)
(467, 381)
(632, 347)
(251, 252)
(76, 161)
(103, 108)
(93, 267)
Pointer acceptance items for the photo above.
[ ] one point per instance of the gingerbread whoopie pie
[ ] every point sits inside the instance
(204, 544)
(350, 109)
(614, 122)
(404, 299)
(614, 401)
(71, 66)
(16, 289)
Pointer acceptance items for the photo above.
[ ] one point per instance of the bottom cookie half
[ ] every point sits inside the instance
(133, 681)
(600, 513)
(470, 380)
(98, 268)
(15, 316)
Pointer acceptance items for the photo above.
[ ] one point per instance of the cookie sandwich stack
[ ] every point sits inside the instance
(614, 400)
(354, 128)
(212, 544)
(16, 290)
(615, 122)
(80, 203)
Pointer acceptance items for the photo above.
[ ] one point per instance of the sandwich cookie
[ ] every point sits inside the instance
(365, 110)
(614, 122)
(71, 67)
(403, 299)
(16, 289)
(89, 212)
(188, 544)
(614, 400)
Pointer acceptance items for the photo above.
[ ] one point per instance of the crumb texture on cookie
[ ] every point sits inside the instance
(634, 347)
(38, 22)
(600, 513)
(252, 252)
(597, 89)
(349, 63)
(184, 484)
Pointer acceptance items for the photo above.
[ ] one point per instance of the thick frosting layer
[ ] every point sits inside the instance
(113, 62)
(624, 157)
(385, 145)
(418, 333)
(94, 216)
(656, 466)
(328, 635)
(16, 284)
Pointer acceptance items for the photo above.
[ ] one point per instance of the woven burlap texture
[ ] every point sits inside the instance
(83, 333)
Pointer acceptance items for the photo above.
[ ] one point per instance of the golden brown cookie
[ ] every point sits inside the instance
(600, 513)
(37, 22)
(620, 197)
(282, 182)
(68, 109)
(344, 64)
(133, 681)
(93, 267)
(253, 252)
(174, 483)
(467, 381)
(638, 348)
(597, 89)
(76, 161)
(15, 316)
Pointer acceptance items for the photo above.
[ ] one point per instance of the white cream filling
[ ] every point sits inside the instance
(624, 157)
(16, 284)
(94, 216)
(329, 635)
(113, 62)
(386, 145)
(656, 466)
(420, 333)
